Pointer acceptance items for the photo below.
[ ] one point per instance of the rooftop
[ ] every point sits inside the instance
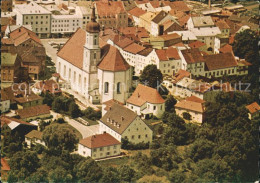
(253, 108)
(13, 122)
(34, 134)
(33, 111)
(143, 94)
(192, 55)
(99, 140)
(202, 21)
(190, 105)
(31, 8)
(168, 54)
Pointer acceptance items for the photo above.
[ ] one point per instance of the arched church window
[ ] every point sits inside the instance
(69, 74)
(79, 80)
(95, 41)
(74, 78)
(118, 87)
(106, 87)
(64, 71)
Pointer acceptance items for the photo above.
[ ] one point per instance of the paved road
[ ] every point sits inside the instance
(84, 130)
(50, 51)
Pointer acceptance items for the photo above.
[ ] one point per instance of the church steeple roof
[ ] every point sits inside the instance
(93, 26)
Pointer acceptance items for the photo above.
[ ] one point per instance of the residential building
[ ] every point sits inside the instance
(192, 105)
(146, 102)
(86, 10)
(33, 138)
(200, 22)
(225, 31)
(253, 109)
(4, 105)
(111, 14)
(66, 24)
(186, 36)
(200, 45)
(106, 105)
(50, 86)
(145, 20)
(11, 126)
(169, 61)
(136, 13)
(37, 16)
(99, 146)
(121, 122)
(183, 86)
(34, 112)
(10, 69)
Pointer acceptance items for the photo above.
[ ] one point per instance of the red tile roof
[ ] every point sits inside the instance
(190, 105)
(7, 120)
(183, 20)
(112, 60)
(100, 140)
(33, 111)
(195, 99)
(181, 74)
(170, 36)
(220, 61)
(123, 42)
(136, 12)
(134, 48)
(192, 55)
(221, 24)
(168, 54)
(110, 103)
(253, 108)
(143, 94)
(48, 85)
(4, 165)
(73, 50)
(226, 49)
(179, 5)
(196, 44)
(109, 8)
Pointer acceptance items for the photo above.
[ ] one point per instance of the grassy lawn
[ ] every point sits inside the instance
(114, 162)
(91, 122)
(78, 134)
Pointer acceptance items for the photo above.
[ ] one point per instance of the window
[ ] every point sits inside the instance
(95, 41)
(101, 149)
(118, 87)
(108, 153)
(133, 136)
(64, 71)
(139, 136)
(95, 55)
(114, 146)
(94, 150)
(146, 135)
(106, 87)
(154, 107)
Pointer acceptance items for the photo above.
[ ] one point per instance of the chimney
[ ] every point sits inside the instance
(122, 118)
(104, 132)
(138, 95)
(209, 4)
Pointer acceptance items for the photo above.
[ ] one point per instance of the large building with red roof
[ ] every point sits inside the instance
(99, 74)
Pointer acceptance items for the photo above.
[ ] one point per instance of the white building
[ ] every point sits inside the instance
(146, 101)
(33, 14)
(66, 24)
(192, 105)
(34, 137)
(4, 105)
(99, 146)
(121, 122)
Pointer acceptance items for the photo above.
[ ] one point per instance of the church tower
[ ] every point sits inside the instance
(92, 52)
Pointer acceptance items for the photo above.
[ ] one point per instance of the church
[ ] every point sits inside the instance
(98, 74)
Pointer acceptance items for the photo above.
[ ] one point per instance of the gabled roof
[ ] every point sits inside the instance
(137, 12)
(253, 108)
(99, 140)
(195, 99)
(220, 61)
(134, 48)
(190, 105)
(179, 5)
(109, 8)
(48, 85)
(33, 111)
(4, 165)
(143, 94)
(34, 134)
(73, 50)
(180, 75)
(112, 60)
(222, 24)
(110, 103)
(13, 122)
(226, 49)
(196, 44)
(167, 54)
(123, 42)
(192, 55)
(202, 21)
(118, 118)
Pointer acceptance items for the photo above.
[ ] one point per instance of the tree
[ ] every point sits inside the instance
(92, 114)
(152, 76)
(74, 110)
(60, 138)
(170, 103)
(126, 173)
(48, 98)
(110, 174)
(88, 170)
(186, 116)
(23, 164)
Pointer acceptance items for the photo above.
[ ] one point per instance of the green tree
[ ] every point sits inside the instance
(170, 103)
(152, 76)
(74, 110)
(88, 171)
(48, 98)
(126, 173)
(60, 138)
(23, 164)
(92, 114)
(110, 174)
